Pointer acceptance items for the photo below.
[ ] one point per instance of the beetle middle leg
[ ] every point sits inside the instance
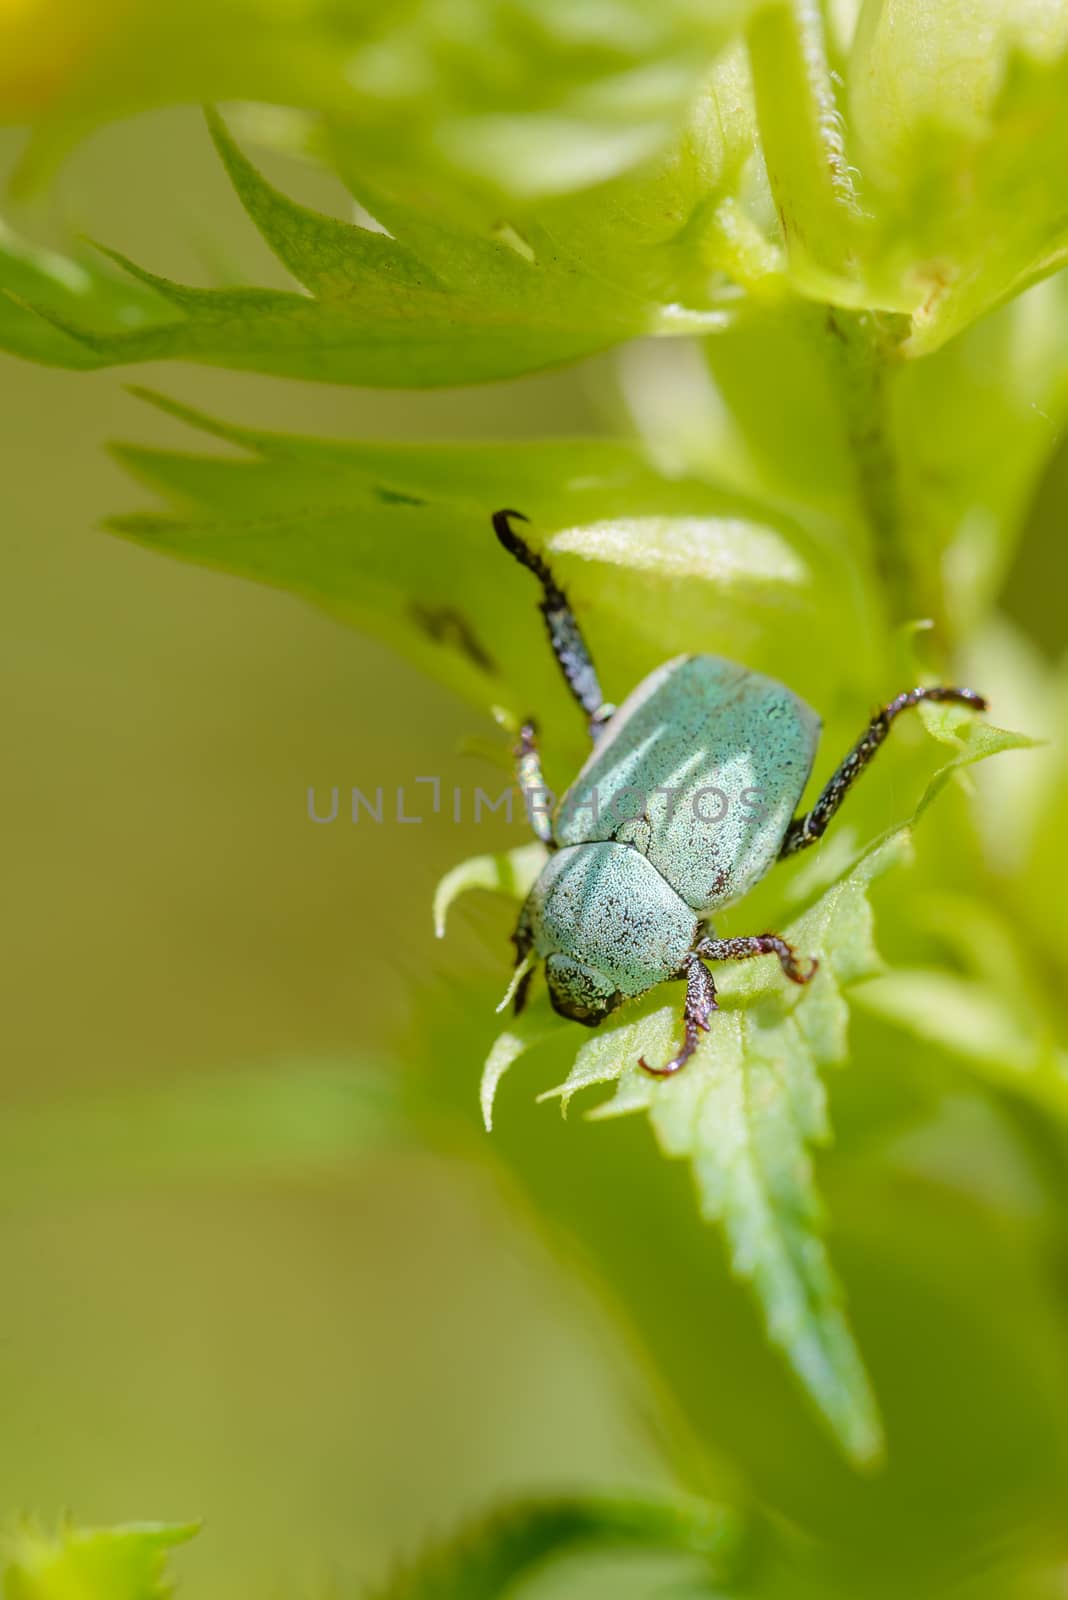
(565, 635)
(806, 829)
(700, 1004)
(701, 989)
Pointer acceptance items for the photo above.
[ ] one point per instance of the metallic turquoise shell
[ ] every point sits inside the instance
(607, 925)
(730, 752)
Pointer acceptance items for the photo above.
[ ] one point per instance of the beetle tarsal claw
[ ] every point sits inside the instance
(700, 1004)
(666, 1071)
(799, 970)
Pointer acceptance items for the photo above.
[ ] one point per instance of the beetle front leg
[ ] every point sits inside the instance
(523, 970)
(700, 1004)
(761, 944)
(532, 782)
(805, 830)
(565, 635)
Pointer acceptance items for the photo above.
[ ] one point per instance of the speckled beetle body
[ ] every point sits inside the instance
(607, 925)
(701, 770)
(687, 799)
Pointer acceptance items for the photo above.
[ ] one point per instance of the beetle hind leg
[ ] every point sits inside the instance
(797, 969)
(700, 1004)
(812, 825)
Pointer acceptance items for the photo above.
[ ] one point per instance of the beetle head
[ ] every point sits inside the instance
(579, 992)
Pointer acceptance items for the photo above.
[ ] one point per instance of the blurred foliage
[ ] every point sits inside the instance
(836, 232)
(490, 1557)
(490, 94)
(480, 1562)
(125, 1563)
(812, 165)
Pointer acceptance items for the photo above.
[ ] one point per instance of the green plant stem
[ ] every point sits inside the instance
(868, 343)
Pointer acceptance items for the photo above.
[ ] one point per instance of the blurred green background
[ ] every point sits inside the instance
(325, 1363)
(323, 1368)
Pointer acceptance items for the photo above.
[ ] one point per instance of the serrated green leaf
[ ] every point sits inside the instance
(431, 302)
(488, 1558)
(746, 1108)
(536, 1024)
(669, 233)
(120, 1563)
(557, 182)
(79, 287)
(743, 1113)
(974, 740)
(511, 872)
(397, 539)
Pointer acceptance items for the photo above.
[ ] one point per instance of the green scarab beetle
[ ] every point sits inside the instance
(686, 800)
